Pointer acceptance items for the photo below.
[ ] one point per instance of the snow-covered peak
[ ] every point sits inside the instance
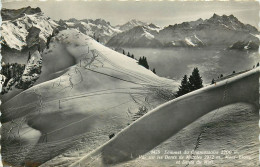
(154, 27)
(229, 22)
(217, 30)
(98, 29)
(151, 25)
(138, 36)
(15, 32)
(96, 21)
(131, 24)
(136, 22)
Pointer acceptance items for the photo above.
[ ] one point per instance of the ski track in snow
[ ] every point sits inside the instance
(108, 149)
(69, 81)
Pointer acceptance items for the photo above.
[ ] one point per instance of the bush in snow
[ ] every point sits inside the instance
(213, 81)
(142, 110)
(154, 71)
(111, 135)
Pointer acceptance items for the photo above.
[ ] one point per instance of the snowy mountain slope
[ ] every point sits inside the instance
(148, 132)
(98, 29)
(15, 32)
(231, 128)
(85, 92)
(139, 36)
(77, 47)
(131, 24)
(217, 30)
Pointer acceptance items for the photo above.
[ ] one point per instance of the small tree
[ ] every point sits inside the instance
(128, 54)
(184, 87)
(154, 71)
(140, 61)
(123, 52)
(257, 64)
(195, 80)
(221, 75)
(213, 81)
(234, 72)
(132, 56)
(143, 62)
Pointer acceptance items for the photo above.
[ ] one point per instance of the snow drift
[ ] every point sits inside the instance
(85, 92)
(168, 119)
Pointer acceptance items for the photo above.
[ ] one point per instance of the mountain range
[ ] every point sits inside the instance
(217, 30)
(97, 29)
(100, 29)
(26, 28)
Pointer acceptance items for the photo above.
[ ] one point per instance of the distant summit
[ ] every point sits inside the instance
(12, 14)
(216, 21)
(25, 28)
(230, 22)
(139, 36)
(131, 24)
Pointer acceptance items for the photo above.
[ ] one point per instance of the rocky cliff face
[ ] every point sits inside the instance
(26, 24)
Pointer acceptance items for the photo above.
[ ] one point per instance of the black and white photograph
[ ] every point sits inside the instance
(88, 83)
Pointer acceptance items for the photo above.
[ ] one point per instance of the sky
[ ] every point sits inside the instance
(162, 13)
